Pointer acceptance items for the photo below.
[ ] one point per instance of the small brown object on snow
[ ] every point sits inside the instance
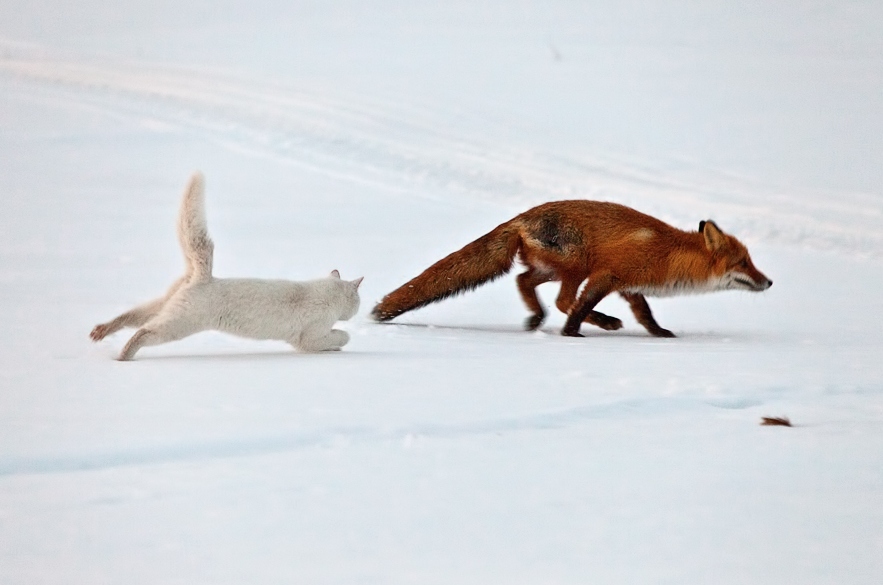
(775, 421)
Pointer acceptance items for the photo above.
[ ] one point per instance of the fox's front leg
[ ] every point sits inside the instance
(644, 316)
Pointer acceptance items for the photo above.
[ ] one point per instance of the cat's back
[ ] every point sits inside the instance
(271, 295)
(258, 289)
(251, 307)
(268, 309)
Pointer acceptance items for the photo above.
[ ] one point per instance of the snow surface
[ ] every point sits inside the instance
(449, 446)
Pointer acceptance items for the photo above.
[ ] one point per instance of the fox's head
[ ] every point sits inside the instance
(731, 262)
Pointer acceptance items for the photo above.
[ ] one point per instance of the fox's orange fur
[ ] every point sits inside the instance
(613, 247)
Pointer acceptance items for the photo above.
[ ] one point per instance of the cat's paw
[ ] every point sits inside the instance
(99, 332)
(338, 339)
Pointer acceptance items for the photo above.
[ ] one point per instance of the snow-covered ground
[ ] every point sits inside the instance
(448, 446)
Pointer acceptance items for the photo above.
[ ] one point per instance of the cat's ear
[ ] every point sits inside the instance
(335, 273)
(358, 281)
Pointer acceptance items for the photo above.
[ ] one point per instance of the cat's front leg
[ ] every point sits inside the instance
(337, 338)
(313, 340)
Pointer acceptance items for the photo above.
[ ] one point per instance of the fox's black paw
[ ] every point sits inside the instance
(533, 322)
(606, 322)
(662, 333)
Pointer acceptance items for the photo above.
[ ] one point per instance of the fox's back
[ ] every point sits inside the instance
(590, 220)
(581, 234)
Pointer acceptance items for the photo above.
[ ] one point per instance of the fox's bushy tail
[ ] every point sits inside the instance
(485, 259)
(193, 235)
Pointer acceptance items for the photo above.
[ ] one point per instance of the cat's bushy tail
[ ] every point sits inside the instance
(193, 233)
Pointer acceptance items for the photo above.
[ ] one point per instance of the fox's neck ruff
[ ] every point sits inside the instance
(681, 287)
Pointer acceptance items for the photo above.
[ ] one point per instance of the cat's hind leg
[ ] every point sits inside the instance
(161, 330)
(322, 340)
(135, 317)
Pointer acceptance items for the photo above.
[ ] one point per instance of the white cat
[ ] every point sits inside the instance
(301, 313)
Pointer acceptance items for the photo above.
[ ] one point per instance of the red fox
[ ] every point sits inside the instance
(614, 247)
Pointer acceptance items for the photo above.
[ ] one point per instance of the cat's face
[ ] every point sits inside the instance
(350, 295)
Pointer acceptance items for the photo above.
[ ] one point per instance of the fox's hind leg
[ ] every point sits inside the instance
(527, 285)
(566, 298)
(135, 317)
(598, 287)
(605, 322)
(642, 313)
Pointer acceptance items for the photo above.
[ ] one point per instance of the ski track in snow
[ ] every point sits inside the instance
(540, 421)
(405, 147)
(329, 437)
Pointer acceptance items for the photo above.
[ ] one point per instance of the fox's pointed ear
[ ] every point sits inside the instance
(335, 273)
(714, 237)
(701, 226)
(358, 281)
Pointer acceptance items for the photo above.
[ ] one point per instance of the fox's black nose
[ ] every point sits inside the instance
(769, 283)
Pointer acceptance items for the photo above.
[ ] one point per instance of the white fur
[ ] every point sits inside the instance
(300, 313)
(685, 287)
(732, 280)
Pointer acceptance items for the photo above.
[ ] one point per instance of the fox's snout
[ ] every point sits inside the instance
(761, 281)
(763, 285)
(755, 281)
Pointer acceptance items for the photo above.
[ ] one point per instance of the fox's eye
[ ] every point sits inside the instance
(743, 263)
